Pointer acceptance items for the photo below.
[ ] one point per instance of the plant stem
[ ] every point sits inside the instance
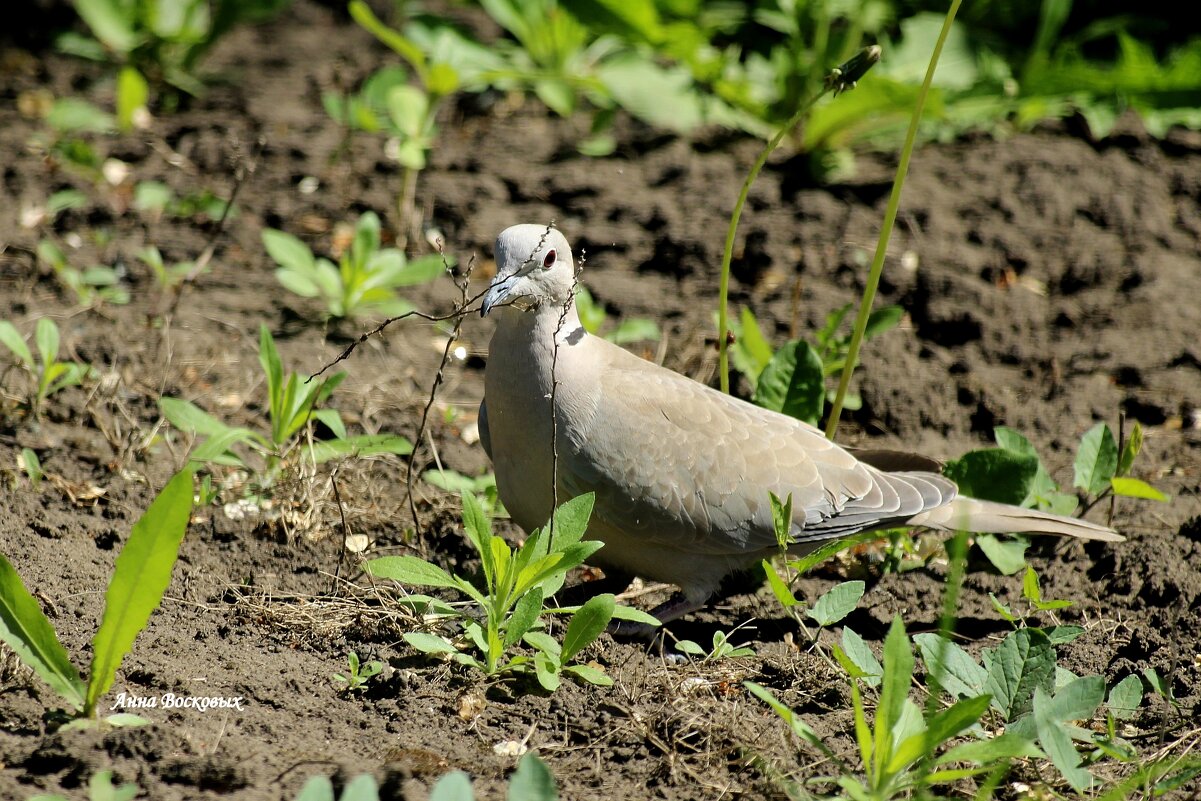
(890, 216)
(839, 80)
(408, 196)
(723, 320)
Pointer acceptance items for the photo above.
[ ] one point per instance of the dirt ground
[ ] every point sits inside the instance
(1050, 282)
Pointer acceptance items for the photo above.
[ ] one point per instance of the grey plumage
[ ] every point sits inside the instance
(681, 471)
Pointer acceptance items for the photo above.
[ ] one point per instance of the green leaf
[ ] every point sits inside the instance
(1125, 697)
(1096, 460)
(781, 520)
(317, 788)
(412, 570)
(140, 577)
(11, 337)
(1007, 555)
(546, 671)
(778, 586)
(950, 667)
(1056, 741)
(362, 445)
(993, 474)
(525, 614)
(590, 674)
(297, 283)
(1130, 450)
(404, 48)
(1022, 663)
(881, 320)
(798, 726)
(587, 624)
(1077, 700)
(111, 22)
(1134, 488)
(408, 108)
(836, 604)
(793, 383)
(636, 329)
(132, 94)
(25, 629)
(479, 532)
(72, 115)
(1007, 746)
(751, 351)
(46, 336)
(863, 658)
(532, 781)
(288, 251)
(429, 643)
(1061, 635)
(192, 419)
(454, 786)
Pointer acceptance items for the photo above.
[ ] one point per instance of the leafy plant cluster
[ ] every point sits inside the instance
(793, 378)
(293, 406)
(48, 374)
(508, 602)
(1013, 473)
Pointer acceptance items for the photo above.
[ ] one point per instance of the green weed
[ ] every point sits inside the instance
(511, 596)
(101, 787)
(92, 286)
(593, 317)
(292, 405)
(141, 575)
(357, 675)
(532, 781)
(48, 373)
(722, 648)
(366, 278)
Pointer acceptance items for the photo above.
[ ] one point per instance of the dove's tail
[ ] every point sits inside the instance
(986, 517)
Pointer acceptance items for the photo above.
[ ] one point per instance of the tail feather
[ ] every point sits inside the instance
(987, 517)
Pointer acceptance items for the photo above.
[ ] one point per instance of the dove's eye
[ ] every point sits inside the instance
(548, 261)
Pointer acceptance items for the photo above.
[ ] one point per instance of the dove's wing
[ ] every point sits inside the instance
(677, 462)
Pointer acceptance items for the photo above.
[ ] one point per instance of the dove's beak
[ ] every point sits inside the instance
(497, 292)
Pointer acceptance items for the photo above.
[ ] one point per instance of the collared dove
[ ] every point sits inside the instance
(681, 471)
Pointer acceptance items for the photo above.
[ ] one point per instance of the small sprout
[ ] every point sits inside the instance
(357, 676)
(722, 649)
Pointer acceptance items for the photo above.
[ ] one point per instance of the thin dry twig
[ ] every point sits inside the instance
(554, 387)
(454, 336)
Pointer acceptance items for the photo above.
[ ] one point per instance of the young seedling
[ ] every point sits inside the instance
(357, 675)
(101, 787)
(167, 276)
(508, 604)
(722, 648)
(90, 287)
(135, 590)
(532, 781)
(292, 406)
(366, 278)
(903, 749)
(48, 373)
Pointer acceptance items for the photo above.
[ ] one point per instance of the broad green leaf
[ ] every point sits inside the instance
(360, 788)
(858, 652)
(129, 720)
(408, 107)
(140, 577)
(589, 674)
(1130, 450)
(1078, 700)
(1125, 697)
(993, 474)
(544, 642)
(12, 338)
(1006, 746)
(71, 115)
(453, 481)
(525, 614)
(1096, 460)
(836, 604)
(216, 448)
(882, 319)
(532, 781)
(110, 23)
(1056, 741)
(630, 21)
(46, 336)
(429, 643)
(1007, 555)
(1134, 488)
(454, 786)
(27, 631)
(1022, 663)
(793, 383)
(546, 671)
(419, 271)
(362, 445)
(637, 329)
(412, 570)
(288, 251)
(190, 418)
(587, 624)
(297, 283)
(1061, 635)
(950, 667)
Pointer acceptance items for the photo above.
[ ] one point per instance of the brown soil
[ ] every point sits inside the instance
(1056, 285)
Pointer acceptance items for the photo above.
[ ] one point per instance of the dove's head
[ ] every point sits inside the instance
(533, 267)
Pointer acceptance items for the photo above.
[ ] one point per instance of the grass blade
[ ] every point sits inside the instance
(25, 629)
(142, 573)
